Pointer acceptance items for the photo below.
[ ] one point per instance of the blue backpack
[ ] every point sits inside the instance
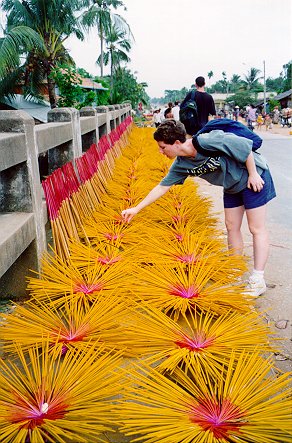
(237, 128)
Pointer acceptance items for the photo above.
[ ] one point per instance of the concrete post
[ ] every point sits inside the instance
(104, 110)
(64, 115)
(89, 111)
(111, 117)
(21, 186)
(118, 120)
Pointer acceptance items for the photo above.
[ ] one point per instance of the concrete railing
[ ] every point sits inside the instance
(24, 146)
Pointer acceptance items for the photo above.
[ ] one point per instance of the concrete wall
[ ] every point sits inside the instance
(23, 212)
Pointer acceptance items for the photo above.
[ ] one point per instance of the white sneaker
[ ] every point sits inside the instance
(256, 287)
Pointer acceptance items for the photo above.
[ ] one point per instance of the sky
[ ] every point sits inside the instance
(178, 40)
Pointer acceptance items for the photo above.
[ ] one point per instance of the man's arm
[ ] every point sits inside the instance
(254, 182)
(153, 195)
(212, 111)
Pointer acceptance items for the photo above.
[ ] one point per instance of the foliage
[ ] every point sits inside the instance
(287, 84)
(170, 95)
(273, 103)
(83, 73)
(235, 83)
(126, 87)
(51, 23)
(89, 99)
(251, 79)
(71, 94)
(102, 96)
(241, 99)
(68, 82)
(18, 37)
(99, 14)
(118, 47)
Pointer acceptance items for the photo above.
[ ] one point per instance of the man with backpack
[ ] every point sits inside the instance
(197, 107)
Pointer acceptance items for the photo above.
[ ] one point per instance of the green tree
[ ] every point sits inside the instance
(117, 48)
(126, 88)
(275, 84)
(287, 84)
(241, 98)
(252, 78)
(210, 75)
(99, 14)
(235, 83)
(51, 23)
(225, 83)
(83, 73)
(103, 95)
(11, 44)
(68, 81)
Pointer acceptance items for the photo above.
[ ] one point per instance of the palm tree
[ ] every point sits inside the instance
(252, 78)
(50, 23)
(224, 82)
(100, 14)
(210, 75)
(118, 46)
(16, 38)
(235, 82)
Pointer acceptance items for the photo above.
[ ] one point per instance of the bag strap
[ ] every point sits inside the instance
(193, 95)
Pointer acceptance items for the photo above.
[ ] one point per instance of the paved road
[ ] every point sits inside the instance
(278, 151)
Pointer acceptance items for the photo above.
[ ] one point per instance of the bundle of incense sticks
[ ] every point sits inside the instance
(143, 327)
(73, 195)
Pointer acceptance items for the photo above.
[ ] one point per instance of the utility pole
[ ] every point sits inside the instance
(265, 99)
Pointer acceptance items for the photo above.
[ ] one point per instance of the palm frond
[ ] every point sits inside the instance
(18, 37)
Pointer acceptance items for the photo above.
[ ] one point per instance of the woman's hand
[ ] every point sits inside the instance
(255, 182)
(128, 214)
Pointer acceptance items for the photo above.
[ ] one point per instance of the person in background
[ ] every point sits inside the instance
(227, 160)
(251, 117)
(268, 122)
(162, 112)
(276, 115)
(260, 121)
(168, 113)
(175, 110)
(204, 101)
(236, 113)
(156, 118)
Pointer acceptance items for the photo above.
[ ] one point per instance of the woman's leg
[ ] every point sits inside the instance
(256, 219)
(233, 221)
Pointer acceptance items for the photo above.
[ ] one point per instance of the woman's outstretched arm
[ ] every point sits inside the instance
(153, 195)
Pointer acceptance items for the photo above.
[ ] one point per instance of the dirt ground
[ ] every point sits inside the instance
(276, 303)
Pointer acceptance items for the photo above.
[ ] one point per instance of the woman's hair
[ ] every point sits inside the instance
(169, 131)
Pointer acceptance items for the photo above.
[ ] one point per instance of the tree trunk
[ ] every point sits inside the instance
(101, 52)
(112, 75)
(52, 92)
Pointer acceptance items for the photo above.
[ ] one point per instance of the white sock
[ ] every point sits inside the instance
(257, 275)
